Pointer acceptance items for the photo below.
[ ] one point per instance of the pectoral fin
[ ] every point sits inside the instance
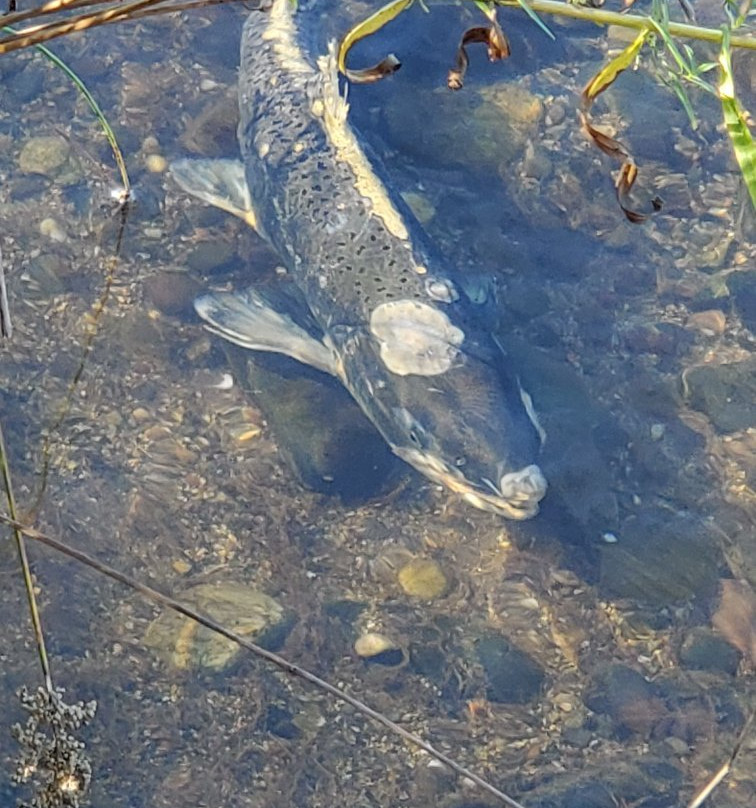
(247, 319)
(220, 183)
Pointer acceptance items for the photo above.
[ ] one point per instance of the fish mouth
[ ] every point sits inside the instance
(517, 496)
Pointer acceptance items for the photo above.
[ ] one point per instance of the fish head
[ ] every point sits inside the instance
(460, 421)
(467, 431)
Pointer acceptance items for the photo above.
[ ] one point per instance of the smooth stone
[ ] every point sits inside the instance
(50, 156)
(44, 155)
(380, 649)
(703, 650)
(725, 393)
(742, 286)
(627, 698)
(512, 677)
(661, 558)
(423, 578)
(185, 644)
(172, 292)
(711, 322)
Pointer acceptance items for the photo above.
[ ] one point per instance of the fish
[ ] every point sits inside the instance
(367, 297)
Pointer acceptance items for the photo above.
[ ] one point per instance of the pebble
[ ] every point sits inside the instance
(657, 431)
(711, 322)
(512, 676)
(423, 578)
(52, 230)
(140, 414)
(379, 648)
(155, 163)
(725, 393)
(45, 155)
(184, 644)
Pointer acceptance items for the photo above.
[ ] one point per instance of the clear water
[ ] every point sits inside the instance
(126, 441)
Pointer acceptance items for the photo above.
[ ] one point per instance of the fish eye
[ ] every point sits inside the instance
(414, 436)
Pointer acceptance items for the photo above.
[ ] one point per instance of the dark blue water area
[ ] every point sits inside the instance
(598, 654)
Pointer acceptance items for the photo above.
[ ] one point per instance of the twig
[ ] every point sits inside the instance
(48, 8)
(33, 35)
(6, 326)
(24, 561)
(723, 771)
(280, 662)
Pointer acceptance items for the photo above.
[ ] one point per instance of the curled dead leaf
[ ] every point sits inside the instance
(490, 35)
(628, 170)
(367, 75)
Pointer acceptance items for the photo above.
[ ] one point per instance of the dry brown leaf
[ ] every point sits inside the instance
(495, 40)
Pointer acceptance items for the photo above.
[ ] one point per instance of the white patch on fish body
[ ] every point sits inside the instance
(525, 485)
(415, 338)
(441, 289)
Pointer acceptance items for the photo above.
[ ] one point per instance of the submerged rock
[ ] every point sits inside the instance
(423, 578)
(627, 699)
(742, 286)
(482, 128)
(725, 393)
(703, 650)
(380, 649)
(661, 558)
(511, 675)
(49, 155)
(184, 644)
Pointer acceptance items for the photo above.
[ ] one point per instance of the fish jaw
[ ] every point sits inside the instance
(517, 497)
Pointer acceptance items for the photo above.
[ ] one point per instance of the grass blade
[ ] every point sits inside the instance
(734, 118)
(369, 26)
(609, 72)
(536, 19)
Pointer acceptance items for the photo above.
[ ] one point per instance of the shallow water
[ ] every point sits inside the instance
(571, 659)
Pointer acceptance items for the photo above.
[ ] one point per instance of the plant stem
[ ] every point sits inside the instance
(602, 17)
(23, 559)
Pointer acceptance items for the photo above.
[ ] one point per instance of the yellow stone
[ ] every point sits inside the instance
(423, 578)
(156, 163)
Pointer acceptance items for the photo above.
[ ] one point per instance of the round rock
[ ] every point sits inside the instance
(423, 578)
(185, 644)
